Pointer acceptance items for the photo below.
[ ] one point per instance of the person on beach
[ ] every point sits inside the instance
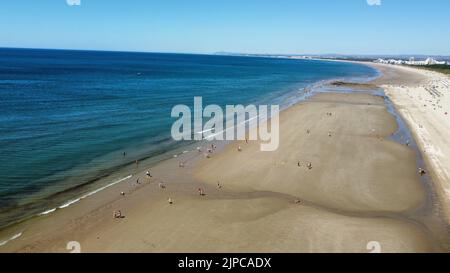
(137, 181)
(117, 214)
(148, 174)
(218, 185)
(239, 149)
(170, 201)
(422, 172)
(124, 154)
(161, 185)
(200, 191)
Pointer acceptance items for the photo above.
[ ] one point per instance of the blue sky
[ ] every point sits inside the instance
(253, 26)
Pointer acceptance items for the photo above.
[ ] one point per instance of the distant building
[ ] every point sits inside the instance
(411, 61)
(390, 61)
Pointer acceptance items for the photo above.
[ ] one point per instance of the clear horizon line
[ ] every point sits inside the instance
(225, 52)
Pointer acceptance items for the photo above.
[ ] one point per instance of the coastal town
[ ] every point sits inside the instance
(393, 60)
(412, 61)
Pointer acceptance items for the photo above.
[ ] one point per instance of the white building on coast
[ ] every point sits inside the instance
(411, 61)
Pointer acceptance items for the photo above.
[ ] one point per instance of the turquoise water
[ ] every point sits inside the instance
(67, 117)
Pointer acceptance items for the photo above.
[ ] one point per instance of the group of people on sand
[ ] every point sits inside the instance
(209, 150)
(212, 149)
(308, 165)
(117, 214)
(148, 176)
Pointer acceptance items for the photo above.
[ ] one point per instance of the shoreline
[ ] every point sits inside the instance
(411, 100)
(163, 174)
(398, 79)
(124, 171)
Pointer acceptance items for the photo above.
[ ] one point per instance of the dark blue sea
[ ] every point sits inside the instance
(66, 117)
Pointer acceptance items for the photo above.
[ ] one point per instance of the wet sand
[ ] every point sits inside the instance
(353, 170)
(360, 187)
(422, 97)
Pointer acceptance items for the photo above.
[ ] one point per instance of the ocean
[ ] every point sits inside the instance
(67, 117)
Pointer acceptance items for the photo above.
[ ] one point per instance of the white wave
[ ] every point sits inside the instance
(105, 187)
(229, 128)
(65, 205)
(204, 131)
(2, 243)
(69, 203)
(47, 211)
(94, 192)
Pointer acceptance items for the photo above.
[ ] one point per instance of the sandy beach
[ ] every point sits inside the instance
(422, 98)
(337, 183)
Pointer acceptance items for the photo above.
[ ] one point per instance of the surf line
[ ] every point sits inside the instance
(221, 132)
(84, 196)
(188, 120)
(2, 243)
